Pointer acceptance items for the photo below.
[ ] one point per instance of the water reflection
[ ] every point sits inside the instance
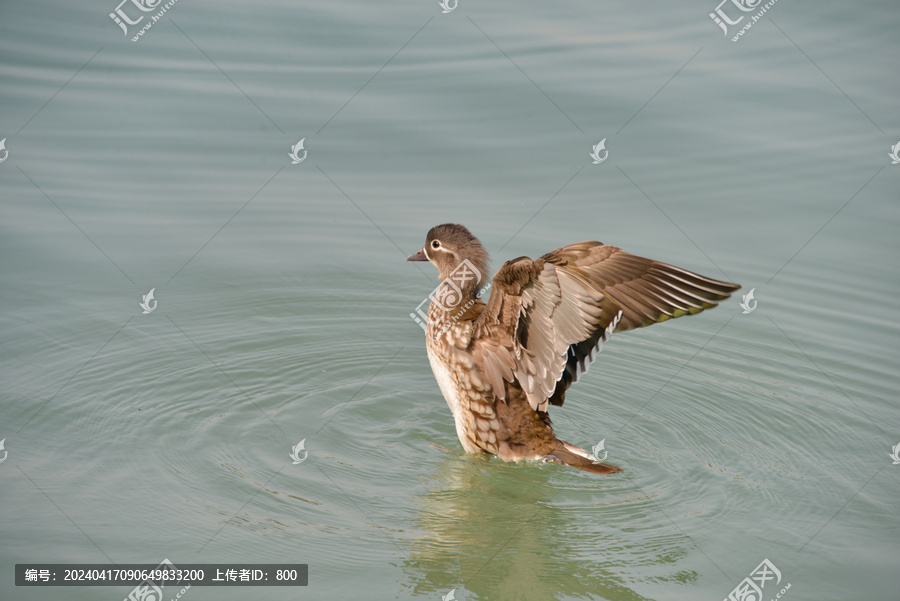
(521, 532)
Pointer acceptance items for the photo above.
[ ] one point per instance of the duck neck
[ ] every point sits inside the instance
(461, 286)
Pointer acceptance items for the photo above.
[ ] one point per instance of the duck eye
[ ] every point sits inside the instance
(435, 244)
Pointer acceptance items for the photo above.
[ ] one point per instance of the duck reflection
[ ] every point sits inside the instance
(522, 532)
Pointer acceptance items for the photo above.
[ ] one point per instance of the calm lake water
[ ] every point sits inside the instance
(283, 298)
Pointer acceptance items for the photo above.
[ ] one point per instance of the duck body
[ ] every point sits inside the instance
(510, 429)
(500, 363)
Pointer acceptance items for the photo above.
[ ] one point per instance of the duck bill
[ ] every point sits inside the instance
(419, 256)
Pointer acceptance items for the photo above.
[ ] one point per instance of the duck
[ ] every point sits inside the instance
(500, 362)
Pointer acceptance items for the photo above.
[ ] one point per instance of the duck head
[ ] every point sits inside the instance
(447, 246)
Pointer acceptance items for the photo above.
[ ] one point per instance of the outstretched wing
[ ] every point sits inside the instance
(547, 319)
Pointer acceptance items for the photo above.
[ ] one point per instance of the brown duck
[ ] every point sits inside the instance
(499, 364)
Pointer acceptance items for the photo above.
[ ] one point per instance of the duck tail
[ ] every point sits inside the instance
(573, 456)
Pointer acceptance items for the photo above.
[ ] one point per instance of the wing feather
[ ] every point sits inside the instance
(547, 319)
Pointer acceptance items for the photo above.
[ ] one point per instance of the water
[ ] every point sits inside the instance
(284, 299)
